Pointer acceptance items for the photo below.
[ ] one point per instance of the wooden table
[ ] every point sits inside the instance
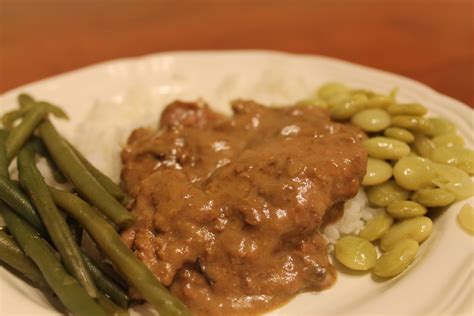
(428, 40)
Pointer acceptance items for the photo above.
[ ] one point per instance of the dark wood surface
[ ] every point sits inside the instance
(428, 40)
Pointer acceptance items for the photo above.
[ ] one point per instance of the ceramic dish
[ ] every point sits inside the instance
(440, 282)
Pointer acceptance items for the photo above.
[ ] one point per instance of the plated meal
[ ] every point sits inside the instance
(241, 213)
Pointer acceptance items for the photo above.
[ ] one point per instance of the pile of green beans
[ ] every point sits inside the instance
(134, 271)
(45, 243)
(67, 288)
(62, 237)
(415, 163)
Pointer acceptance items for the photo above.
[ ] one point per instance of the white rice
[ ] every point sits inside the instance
(102, 143)
(356, 213)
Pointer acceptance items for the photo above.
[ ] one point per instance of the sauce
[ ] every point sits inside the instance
(229, 209)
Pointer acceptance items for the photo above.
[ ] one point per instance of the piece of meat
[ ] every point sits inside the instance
(229, 210)
(188, 114)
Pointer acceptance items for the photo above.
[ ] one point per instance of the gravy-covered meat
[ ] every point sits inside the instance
(229, 209)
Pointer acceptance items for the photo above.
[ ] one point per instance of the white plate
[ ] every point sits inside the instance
(440, 282)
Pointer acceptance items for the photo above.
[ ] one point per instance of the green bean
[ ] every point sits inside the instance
(110, 243)
(415, 123)
(414, 173)
(355, 253)
(406, 209)
(376, 227)
(9, 118)
(68, 290)
(433, 197)
(105, 284)
(385, 193)
(448, 140)
(20, 134)
(400, 134)
(423, 146)
(110, 308)
(407, 109)
(25, 99)
(378, 171)
(441, 126)
(39, 147)
(453, 179)
(55, 223)
(42, 151)
(126, 200)
(105, 181)
(466, 218)
(417, 228)
(386, 148)
(11, 254)
(371, 120)
(83, 180)
(3, 156)
(54, 109)
(397, 259)
(75, 229)
(20, 203)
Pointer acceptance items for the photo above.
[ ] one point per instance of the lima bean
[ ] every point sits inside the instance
(400, 134)
(441, 126)
(376, 227)
(331, 89)
(369, 94)
(413, 173)
(355, 253)
(461, 157)
(453, 179)
(347, 108)
(396, 260)
(378, 101)
(415, 123)
(448, 140)
(406, 209)
(423, 146)
(385, 193)
(407, 109)
(378, 171)
(371, 120)
(433, 197)
(418, 229)
(466, 218)
(386, 148)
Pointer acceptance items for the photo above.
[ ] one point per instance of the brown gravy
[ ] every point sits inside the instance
(229, 209)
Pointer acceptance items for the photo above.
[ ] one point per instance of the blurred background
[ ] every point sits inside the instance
(431, 41)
